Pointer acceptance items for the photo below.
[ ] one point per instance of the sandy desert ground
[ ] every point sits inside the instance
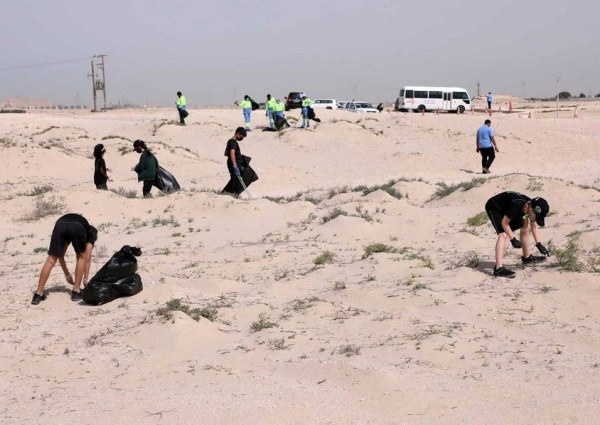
(351, 290)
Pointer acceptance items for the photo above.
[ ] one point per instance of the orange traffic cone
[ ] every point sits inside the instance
(437, 111)
(575, 116)
(529, 115)
(490, 112)
(510, 106)
(499, 108)
(423, 112)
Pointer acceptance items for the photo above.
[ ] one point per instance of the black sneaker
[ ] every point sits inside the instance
(76, 296)
(38, 298)
(532, 259)
(504, 272)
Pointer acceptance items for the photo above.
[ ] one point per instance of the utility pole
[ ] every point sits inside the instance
(478, 89)
(98, 83)
(93, 86)
(557, 94)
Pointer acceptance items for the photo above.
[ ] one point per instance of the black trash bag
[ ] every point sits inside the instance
(281, 123)
(130, 285)
(184, 113)
(117, 278)
(255, 105)
(248, 176)
(268, 129)
(312, 115)
(165, 181)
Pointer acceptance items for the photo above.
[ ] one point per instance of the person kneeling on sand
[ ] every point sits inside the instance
(509, 211)
(69, 229)
(146, 168)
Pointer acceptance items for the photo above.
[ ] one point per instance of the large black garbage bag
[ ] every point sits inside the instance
(255, 105)
(165, 181)
(130, 285)
(281, 123)
(248, 176)
(117, 278)
(312, 115)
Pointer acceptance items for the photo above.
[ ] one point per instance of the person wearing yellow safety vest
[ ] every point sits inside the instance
(181, 107)
(246, 106)
(270, 107)
(279, 108)
(306, 102)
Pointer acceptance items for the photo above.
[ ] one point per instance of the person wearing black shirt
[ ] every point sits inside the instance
(100, 174)
(234, 162)
(511, 211)
(70, 229)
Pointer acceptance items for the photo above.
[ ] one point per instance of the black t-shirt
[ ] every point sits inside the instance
(510, 204)
(233, 144)
(75, 218)
(98, 177)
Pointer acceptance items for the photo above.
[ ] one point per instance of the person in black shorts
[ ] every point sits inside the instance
(234, 162)
(71, 229)
(511, 211)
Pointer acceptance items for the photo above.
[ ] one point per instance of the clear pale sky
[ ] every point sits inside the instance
(211, 50)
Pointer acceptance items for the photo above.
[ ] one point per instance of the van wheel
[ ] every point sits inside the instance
(460, 109)
(421, 108)
(329, 107)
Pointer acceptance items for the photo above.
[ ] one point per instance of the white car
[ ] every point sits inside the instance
(324, 104)
(362, 107)
(342, 104)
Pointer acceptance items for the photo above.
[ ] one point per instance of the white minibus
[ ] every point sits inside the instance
(421, 98)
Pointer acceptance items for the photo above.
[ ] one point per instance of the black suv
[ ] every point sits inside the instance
(293, 101)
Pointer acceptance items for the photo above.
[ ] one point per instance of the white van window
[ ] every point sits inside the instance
(409, 94)
(420, 94)
(435, 94)
(460, 95)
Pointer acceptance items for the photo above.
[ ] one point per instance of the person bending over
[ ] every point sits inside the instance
(71, 229)
(511, 211)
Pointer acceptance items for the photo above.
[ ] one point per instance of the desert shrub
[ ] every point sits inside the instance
(45, 207)
(567, 257)
(376, 248)
(127, 193)
(336, 212)
(478, 219)
(325, 258)
(38, 190)
(444, 190)
(176, 304)
(594, 259)
(263, 322)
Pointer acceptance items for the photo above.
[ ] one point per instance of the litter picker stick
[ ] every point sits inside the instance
(245, 188)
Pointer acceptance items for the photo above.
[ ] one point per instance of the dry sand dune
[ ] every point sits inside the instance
(350, 290)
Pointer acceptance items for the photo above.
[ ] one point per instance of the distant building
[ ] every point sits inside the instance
(25, 103)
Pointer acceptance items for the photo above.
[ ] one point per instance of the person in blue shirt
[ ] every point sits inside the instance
(485, 144)
(489, 100)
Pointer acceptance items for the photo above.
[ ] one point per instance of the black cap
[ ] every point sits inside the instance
(541, 209)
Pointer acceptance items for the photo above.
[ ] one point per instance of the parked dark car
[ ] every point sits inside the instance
(294, 101)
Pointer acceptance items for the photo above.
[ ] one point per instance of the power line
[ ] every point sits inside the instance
(37, 65)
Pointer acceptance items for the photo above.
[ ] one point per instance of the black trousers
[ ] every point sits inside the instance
(181, 116)
(487, 157)
(234, 185)
(147, 186)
